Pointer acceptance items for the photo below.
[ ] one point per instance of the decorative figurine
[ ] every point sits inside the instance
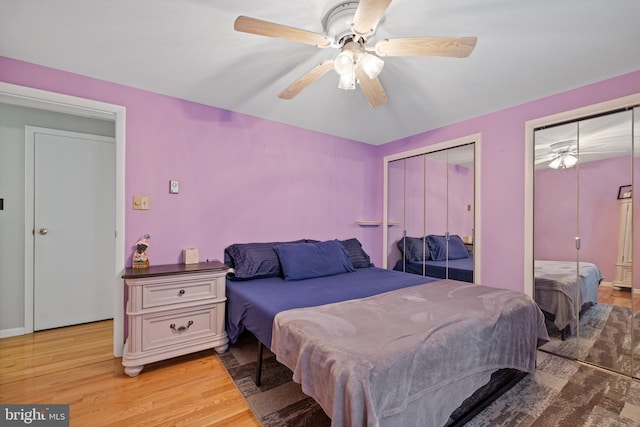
(140, 257)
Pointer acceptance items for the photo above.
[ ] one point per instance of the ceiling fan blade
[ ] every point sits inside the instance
(368, 15)
(372, 89)
(270, 29)
(460, 47)
(311, 76)
(544, 159)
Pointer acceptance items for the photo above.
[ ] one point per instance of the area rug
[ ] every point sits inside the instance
(604, 339)
(561, 393)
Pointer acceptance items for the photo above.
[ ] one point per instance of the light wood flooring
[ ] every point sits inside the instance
(621, 297)
(75, 365)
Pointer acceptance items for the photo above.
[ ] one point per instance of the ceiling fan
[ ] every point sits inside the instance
(347, 27)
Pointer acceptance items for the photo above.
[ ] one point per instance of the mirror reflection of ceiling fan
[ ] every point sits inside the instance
(564, 154)
(348, 27)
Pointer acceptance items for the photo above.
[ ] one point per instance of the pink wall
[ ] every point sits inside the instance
(556, 210)
(241, 178)
(502, 157)
(291, 182)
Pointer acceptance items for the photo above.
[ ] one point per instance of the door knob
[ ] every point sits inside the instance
(43, 231)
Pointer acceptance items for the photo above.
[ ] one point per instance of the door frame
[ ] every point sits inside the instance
(52, 101)
(529, 167)
(477, 200)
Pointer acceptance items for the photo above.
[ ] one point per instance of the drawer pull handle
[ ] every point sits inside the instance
(181, 292)
(180, 328)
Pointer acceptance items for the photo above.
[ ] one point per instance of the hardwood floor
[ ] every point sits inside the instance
(75, 365)
(621, 297)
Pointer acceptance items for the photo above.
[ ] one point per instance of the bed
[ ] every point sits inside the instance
(367, 364)
(558, 296)
(432, 256)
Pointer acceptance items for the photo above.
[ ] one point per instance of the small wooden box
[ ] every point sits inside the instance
(190, 256)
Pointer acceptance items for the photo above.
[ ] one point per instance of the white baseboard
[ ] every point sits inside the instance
(5, 333)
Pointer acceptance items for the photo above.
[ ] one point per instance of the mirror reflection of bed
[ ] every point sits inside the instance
(440, 256)
(583, 239)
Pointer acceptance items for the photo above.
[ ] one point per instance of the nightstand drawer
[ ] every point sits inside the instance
(172, 291)
(170, 328)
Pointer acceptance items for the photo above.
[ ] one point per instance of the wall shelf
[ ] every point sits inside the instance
(376, 223)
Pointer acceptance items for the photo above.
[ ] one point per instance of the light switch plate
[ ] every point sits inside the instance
(174, 187)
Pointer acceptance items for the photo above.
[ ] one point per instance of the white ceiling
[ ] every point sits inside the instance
(188, 49)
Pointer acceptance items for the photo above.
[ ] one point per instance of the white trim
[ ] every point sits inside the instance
(45, 100)
(477, 219)
(5, 333)
(29, 175)
(529, 127)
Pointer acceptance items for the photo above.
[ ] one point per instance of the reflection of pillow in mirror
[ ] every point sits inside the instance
(414, 249)
(438, 247)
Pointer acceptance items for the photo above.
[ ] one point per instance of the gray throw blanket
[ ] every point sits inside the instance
(407, 357)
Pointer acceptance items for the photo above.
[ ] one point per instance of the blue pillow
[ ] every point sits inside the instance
(359, 258)
(307, 260)
(414, 249)
(253, 260)
(438, 247)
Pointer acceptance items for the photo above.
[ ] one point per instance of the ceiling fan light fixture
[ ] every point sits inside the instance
(344, 63)
(371, 65)
(563, 161)
(347, 81)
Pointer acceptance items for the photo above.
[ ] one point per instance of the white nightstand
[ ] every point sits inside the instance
(174, 310)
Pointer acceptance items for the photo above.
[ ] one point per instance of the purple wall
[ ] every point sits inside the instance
(241, 178)
(244, 178)
(502, 160)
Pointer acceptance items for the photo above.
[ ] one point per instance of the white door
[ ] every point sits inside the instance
(74, 228)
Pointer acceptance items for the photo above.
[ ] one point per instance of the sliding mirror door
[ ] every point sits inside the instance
(460, 212)
(635, 290)
(582, 238)
(555, 228)
(436, 213)
(395, 214)
(605, 217)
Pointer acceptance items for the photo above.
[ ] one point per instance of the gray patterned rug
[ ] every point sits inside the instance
(604, 339)
(561, 393)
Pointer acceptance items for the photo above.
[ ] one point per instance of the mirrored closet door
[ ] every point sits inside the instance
(430, 210)
(635, 245)
(583, 238)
